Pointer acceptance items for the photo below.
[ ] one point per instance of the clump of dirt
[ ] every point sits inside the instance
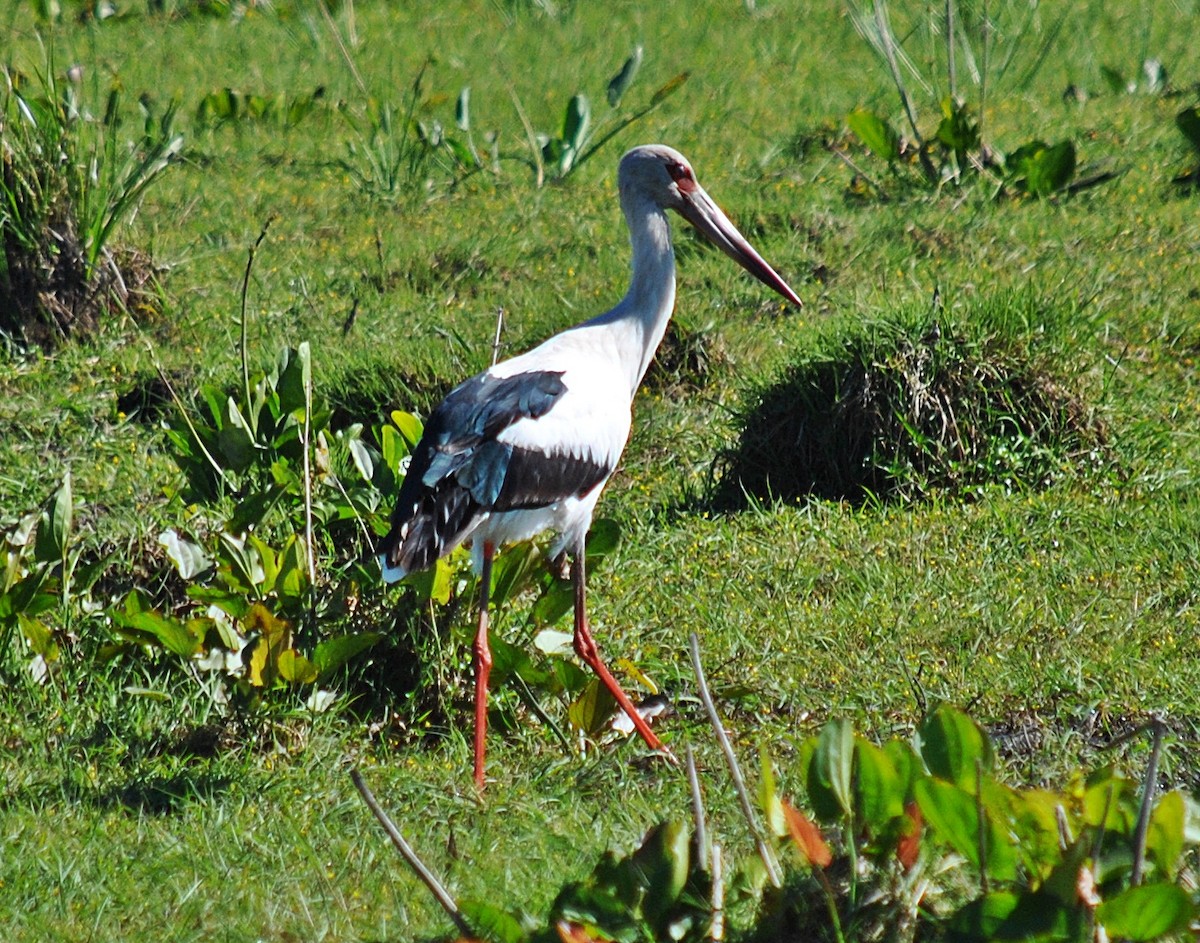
(904, 410)
(48, 294)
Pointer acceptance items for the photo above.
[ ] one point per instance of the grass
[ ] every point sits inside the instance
(1068, 612)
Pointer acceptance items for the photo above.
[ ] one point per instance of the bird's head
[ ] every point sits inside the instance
(665, 176)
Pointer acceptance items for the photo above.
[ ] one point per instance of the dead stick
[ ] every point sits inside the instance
(1148, 790)
(716, 931)
(702, 849)
(739, 784)
(410, 857)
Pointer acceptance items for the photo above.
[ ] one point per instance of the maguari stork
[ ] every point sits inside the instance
(527, 445)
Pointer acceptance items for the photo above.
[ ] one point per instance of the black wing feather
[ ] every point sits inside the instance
(459, 470)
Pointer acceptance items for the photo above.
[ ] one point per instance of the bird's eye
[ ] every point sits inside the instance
(681, 174)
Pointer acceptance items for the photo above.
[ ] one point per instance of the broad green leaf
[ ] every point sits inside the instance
(1108, 802)
(1147, 912)
(142, 625)
(953, 815)
(957, 131)
(879, 790)
(557, 599)
(39, 636)
(820, 796)
(1006, 916)
(1164, 838)
(507, 659)
(879, 136)
(951, 744)
(662, 866)
(234, 447)
(292, 580)
(833, 763)
(268, 561)
(575, 128)
(1188, 122)
(189, 558)
(492, 924)
(619, 84)
(590, 712)
(512, 571)
(603, 538)
(1036, 826)
(435, 583)
(409, 426)
(333, 653)
(982, 918)
(905, 762)
(290, 386)
(55, 529)
(394, 447)
(295, 668)
(553, 642)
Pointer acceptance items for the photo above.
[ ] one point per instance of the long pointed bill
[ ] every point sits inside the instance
(699, 210)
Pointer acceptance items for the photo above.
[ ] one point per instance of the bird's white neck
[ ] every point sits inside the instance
(639, 321)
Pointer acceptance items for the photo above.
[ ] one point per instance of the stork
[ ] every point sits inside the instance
(527, 445)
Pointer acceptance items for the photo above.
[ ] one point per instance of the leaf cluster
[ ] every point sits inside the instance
(927, 842)
(955, 151)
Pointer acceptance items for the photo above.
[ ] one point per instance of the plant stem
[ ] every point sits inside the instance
(739, 784)
(252, 416)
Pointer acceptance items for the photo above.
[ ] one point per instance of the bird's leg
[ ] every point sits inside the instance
(483, 663)
(585, 648)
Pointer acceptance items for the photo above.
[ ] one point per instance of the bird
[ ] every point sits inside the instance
(528, 445)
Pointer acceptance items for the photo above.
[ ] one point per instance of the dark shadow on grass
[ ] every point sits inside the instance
(158, 795)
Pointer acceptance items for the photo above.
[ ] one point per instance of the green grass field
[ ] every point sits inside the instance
(135, 806)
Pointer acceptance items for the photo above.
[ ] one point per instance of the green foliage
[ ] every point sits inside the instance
(956, 151)
(390, 152)
(71, 179)
(1040, 169)
(941, 840)
(226, 106)
(578, 141)
(40, 574)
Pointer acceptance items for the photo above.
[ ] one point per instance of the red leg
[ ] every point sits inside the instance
(585, 648)
(483, 663)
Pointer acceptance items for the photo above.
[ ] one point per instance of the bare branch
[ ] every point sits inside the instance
(410, 857)
(739, 784)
